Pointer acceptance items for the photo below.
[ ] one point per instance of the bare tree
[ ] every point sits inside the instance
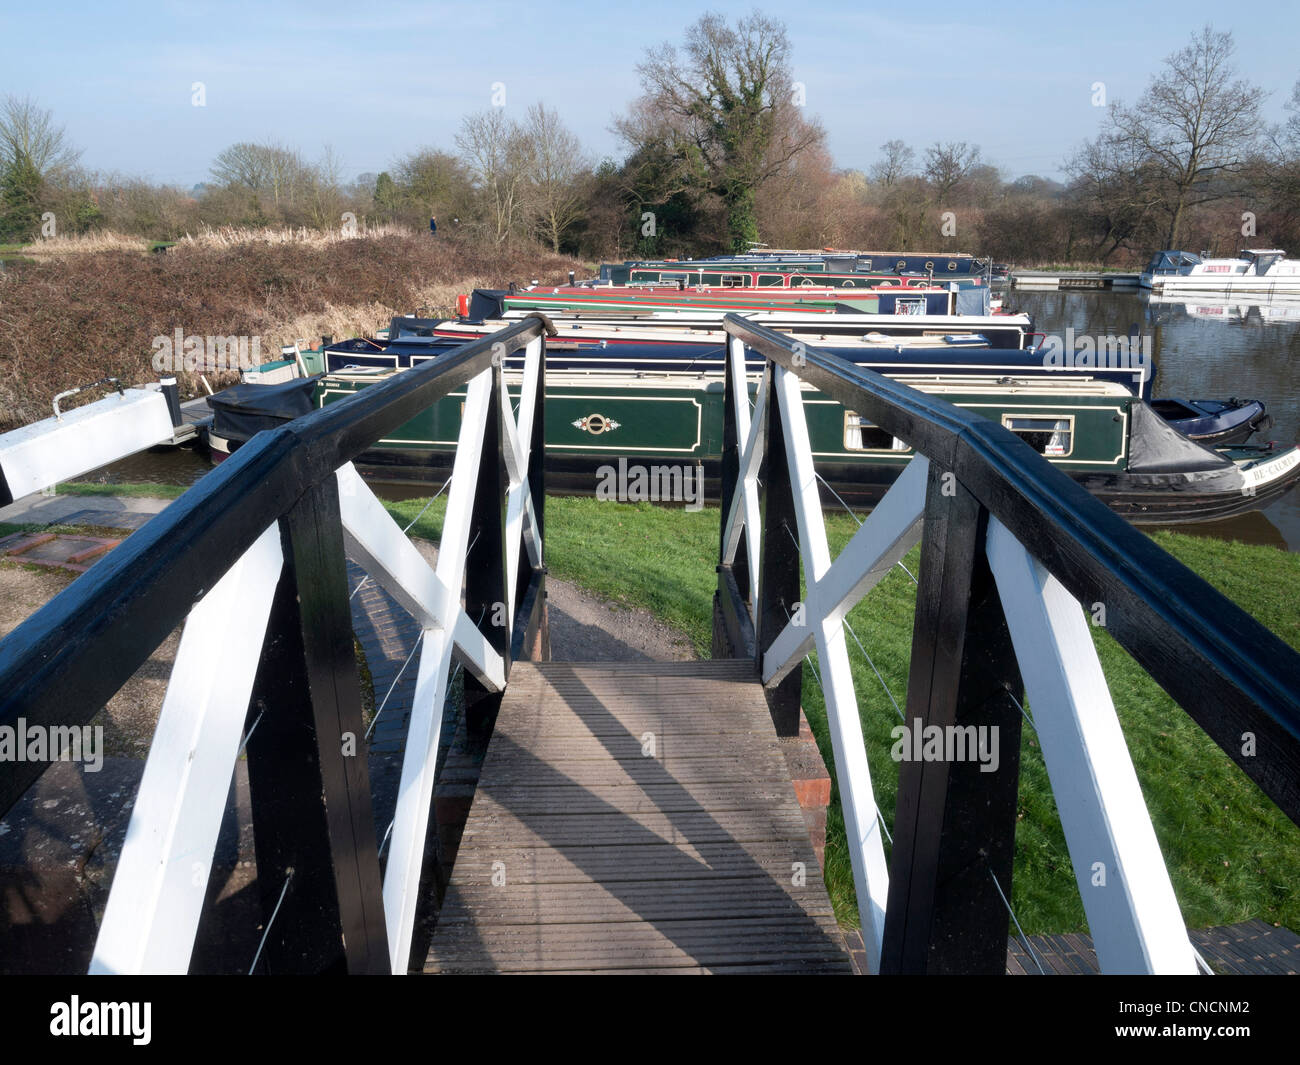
(896, 162)
(1293, 122)
(261, 168)
(555, 167)
(243, 166)
(286, 172)
(1196, 122)
(1118, 192)
(28, 131)
(323, 182)
(495, 152)
(729, 111)
(948, 165)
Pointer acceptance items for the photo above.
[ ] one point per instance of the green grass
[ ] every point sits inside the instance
(1232, 855)
(7, 527)
(634, 554)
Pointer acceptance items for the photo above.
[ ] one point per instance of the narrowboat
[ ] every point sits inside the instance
(997, 345)
(786, 270)
(1097, 431)
(941, 345)
(919, 298)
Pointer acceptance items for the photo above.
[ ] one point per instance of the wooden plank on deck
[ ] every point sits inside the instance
(635, 817)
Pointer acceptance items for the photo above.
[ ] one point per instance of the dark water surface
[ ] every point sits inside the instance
(1203, 351)
(1207, 351)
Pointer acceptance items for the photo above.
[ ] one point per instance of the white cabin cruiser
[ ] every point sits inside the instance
(1258, 271)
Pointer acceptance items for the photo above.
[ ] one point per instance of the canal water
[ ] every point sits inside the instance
(1201, 351)
(1209, 350)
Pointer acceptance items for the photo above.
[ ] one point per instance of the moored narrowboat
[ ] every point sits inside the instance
(1097, 431)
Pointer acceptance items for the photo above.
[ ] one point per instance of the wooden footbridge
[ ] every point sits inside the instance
(635, 818)
(640, 817)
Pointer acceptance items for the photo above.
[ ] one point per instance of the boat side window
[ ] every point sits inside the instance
(1048, 434)
(861, 435)
(771, 281)
(713, 279)
(734, 280)
(909, 305)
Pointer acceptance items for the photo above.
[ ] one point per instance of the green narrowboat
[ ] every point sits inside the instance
(1094, 430)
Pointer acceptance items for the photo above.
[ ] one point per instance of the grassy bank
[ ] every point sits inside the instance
(89, 310)
(1231, 853)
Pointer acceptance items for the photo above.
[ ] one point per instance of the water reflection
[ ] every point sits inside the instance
(1203, 350)
(182, 465)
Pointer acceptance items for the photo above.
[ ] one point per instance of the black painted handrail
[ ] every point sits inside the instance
(65, 661)
(1228, 672)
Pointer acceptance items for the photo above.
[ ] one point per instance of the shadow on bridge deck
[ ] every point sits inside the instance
(635, 817)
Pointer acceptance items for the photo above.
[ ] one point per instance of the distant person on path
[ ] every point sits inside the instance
(433, 225)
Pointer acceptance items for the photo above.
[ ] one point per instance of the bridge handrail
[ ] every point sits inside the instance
(64, 663)
(1226, 670)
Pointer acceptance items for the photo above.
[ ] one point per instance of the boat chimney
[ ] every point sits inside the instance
(172, 395)
(572, 277)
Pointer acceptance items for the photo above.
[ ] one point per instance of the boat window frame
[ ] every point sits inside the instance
(1049, 416)
(896, 447)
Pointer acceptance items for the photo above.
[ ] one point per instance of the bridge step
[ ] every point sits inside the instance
(635, 817)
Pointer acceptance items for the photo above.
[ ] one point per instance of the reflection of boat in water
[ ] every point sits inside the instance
(1257, 272)
(1285, 308)
(1250, 527)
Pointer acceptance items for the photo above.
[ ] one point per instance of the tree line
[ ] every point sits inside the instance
(720, 152)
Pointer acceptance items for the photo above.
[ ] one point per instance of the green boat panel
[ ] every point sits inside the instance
(1076, 425)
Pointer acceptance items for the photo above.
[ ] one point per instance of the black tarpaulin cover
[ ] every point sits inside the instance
(1155, 446)
(240, 412)
(487, 303)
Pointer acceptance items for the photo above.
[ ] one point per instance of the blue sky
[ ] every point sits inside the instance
(376, 80)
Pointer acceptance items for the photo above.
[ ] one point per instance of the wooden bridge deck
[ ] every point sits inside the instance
(635, 817)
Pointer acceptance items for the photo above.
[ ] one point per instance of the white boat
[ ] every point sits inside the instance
(1263, 272)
